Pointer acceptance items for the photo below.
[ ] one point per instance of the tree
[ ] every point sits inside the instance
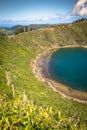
(26, 28)
(19, 30)
(30, 28)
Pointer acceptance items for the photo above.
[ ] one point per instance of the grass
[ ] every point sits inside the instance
(16, 56)
(21, 113)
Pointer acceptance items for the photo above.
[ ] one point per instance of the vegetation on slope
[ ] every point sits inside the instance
(20, 113)
(17, 54)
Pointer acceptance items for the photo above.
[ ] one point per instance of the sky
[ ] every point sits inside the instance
(41, 11)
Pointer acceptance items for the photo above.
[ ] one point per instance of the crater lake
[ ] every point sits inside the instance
(69, 66)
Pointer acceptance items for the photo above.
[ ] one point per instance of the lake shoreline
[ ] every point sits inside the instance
(42, 73)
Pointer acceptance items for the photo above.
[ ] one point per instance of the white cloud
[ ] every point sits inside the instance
(80, 8)
(45, 18)
(64, 17)
(58, 18)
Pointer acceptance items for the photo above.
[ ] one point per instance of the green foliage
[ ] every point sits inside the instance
(26, 28)
(19, 30)
(80, 20)
(18, 114)
(31, 29)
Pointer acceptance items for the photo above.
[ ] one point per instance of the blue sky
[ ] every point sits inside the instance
(41, 11)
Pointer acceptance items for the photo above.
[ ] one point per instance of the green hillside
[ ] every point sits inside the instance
(17, 54)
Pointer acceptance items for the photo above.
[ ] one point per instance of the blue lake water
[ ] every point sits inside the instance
(69, 66)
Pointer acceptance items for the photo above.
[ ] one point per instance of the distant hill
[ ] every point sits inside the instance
(13, 30)
(6, 31)
(16, 29)
(38, 26)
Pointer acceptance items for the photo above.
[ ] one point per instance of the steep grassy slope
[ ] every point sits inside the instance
(16, 56)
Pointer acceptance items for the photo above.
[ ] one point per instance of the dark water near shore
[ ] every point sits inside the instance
(69, 66)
